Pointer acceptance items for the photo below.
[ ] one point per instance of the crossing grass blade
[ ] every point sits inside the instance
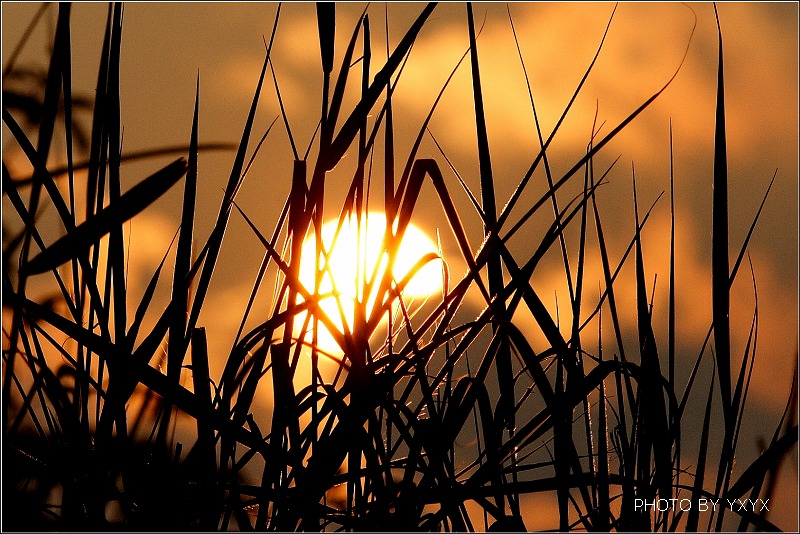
(126, 207)
(10, 189)
(766, 461)
(742, 252)
(788, 417)
(493, 262)
(147, 298)
(42, 177)
(380, 81)
(547, 169)
(283, 110)
(215, 240)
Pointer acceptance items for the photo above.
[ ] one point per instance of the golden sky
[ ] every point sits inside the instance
(166, 45)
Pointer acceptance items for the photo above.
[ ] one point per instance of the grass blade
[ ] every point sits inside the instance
(46, 128)
(116, 244)
(750, 230)
(545, 159)
(493, 264)
(652, 425)
(12, 58)
(183, 255)
(126, 207)
(719, 251)
(215, 240)
(763, 464)
(147, 298)
(135, 155)
(702, 455)
(350, 128)
(671, 310)
(326, 22)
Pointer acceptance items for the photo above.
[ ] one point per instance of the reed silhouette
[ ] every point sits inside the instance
(378, 444)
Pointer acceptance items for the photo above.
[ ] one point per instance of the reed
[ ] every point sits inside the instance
(378, 446)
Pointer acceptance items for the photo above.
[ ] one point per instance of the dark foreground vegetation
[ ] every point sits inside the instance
(380, 446)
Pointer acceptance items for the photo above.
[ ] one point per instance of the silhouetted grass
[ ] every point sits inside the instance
(378, 446)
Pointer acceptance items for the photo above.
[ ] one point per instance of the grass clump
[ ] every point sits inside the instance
(378, 443)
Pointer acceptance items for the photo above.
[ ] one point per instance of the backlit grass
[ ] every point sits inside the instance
(413, 413)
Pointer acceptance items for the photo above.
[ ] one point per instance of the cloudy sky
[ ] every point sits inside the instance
(165, 47)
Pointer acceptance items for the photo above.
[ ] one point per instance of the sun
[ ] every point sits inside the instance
(356, 255)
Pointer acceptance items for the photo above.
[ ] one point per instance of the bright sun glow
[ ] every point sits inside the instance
(354, 258)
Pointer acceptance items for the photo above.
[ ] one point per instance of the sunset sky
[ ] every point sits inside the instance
(167, 45)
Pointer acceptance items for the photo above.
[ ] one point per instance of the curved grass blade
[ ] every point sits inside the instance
(506, 212)
(671, 310)
(743, 249)
(545, 159)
